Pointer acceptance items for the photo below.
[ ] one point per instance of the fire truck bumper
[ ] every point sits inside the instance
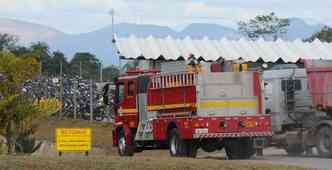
(232, 135)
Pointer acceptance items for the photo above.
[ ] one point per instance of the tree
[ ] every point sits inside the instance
(16, 109)
(110, 73)
(42, 50)
(20, 51)
(56, 60)
(324, 35)
(267, 26)
(7, 41)
(87, 63)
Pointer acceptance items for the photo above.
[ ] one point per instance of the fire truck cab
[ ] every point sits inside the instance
(183, 108)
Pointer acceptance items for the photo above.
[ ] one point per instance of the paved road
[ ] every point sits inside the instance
(279, 156)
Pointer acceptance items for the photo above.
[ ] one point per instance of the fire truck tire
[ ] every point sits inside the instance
(177, 146)
(211, 145)
(239, 148)
(123, 148)
(191, 148)
(294, 150)
(324, 141)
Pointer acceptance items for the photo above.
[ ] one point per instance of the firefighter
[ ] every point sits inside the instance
(193, 65)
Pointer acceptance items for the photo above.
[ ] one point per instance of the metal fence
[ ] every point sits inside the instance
(80, 98)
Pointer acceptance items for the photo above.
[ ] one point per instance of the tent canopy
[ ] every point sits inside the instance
(268, 51)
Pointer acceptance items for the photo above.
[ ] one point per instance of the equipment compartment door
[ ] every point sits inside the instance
(129, 104)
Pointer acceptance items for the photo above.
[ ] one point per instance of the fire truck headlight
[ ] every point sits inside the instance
(256, 124)
(186, 124)
(132, 124)
(196, 125)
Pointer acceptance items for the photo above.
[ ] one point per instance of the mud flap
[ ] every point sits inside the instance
(128, 135)
(259, 144)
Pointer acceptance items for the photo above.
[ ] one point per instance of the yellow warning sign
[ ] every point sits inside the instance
(73, 139)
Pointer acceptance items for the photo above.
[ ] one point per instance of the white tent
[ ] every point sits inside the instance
(170, 48)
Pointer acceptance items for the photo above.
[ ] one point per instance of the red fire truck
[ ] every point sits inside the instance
(183, 110)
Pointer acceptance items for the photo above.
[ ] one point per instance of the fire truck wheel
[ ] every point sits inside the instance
(123, 148)
(191, 148)
(239, 148)
(294, 150)
(177, 146)
(324, 141)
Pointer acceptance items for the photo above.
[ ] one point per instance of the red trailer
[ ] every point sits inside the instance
(185, 110)
(320, 83)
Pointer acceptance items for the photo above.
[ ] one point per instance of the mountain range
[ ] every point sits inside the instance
(99, 42)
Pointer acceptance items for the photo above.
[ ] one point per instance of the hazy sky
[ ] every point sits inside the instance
(76, 16)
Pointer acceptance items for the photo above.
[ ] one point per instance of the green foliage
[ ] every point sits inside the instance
(42, 50)
(3, 148)
(7, 41)
(21, 51)
(87, 63)
(265, 26)
(50, 61)
(58, 58)
(324, 35)
(110, 73)
(16, 110)
(26, 143)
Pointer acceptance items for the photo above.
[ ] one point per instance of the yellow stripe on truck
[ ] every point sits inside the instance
(128, 110)
(209, 104)
(202, 105)
(170, 106)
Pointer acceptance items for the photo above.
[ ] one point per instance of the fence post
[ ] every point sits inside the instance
(61, 91)
(75, 99)
(91, 100)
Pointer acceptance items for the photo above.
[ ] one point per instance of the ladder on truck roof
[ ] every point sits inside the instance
(173, 80)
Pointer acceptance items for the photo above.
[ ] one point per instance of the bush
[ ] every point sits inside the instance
(26, 143)
(3, 149)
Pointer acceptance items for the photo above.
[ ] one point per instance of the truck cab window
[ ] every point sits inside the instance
(288, 84)
(120, 92)
(131, 88)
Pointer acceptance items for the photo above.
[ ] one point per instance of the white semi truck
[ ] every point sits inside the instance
(300, 100)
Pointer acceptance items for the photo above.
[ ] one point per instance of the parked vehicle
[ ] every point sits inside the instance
(184, 109)
(300, 102)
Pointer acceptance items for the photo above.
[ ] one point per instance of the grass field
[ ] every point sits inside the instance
(102, 138)
(133, 163)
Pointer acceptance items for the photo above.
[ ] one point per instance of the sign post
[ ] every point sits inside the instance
(73, 140)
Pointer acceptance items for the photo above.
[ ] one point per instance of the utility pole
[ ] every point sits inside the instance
(61, 90)
(80, 69)
(112, 13)
(101, 71)
(41, 67)
(113, 29)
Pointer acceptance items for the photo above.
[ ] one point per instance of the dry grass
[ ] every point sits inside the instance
(102, 138)
(134, 163)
